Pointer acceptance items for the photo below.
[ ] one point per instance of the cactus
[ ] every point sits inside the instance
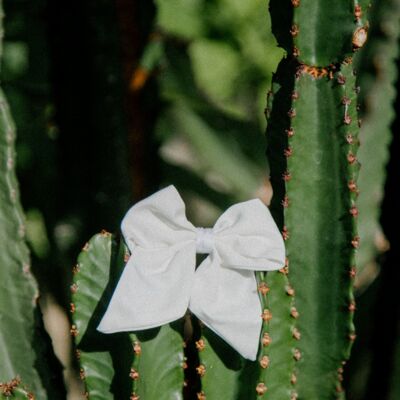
(19, 293)
(312, 144)
(127, 364)
(377, 75)
(15, 390)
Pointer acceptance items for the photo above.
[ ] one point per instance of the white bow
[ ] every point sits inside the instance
(160, 281)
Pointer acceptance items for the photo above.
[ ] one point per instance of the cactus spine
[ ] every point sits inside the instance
(312, 144)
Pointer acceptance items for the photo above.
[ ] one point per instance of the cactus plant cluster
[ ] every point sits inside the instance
(308, 305)
(312, 144)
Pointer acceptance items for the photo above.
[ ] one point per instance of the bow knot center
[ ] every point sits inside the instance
(204, 240)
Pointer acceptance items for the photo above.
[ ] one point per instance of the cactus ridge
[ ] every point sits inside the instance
(312, 134)
(19, 292)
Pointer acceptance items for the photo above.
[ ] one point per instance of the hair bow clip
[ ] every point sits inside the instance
(160, 281)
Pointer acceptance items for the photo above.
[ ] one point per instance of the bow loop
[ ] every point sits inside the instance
(157, 221)
(246, 237)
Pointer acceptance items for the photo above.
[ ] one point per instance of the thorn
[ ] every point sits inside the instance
(266, 315)
(295, 94)
(134, 374)
(354, 211)
(77, 354)
(352, 186)
(295, 3)
(352, 337)
(201, 396)
(294, 313)
(261, 389)
(290, 291)
(296, 334)
(353, 272)
(266, 340)
(351, 158)
(200, 345)
(127, 256)
(346, 101)
(289, 132)
(356, 242)
(296, 51)
(347, 119)
(285, 233)
(264, 362)
(285, 202)
(297, 354)
(75, 269)
(82, 374)
(201, 370)
(293, 379)
(85, 247)
(294, 396)
(74, 288)
(284, 270)
(263, 288)
(350, 139)
(341, 79)
(288, 152)
(352, 306)
(294, 31)
(357, 12)
(72, 308)
(137, 348)
(105, 233)
(74, 331)
(134, 396)
(287, 176)
(359, 37)
(291, 113)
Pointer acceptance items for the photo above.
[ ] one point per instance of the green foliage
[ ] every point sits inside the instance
(214, 86)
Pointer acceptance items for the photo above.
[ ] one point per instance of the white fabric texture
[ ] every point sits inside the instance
(160, 280)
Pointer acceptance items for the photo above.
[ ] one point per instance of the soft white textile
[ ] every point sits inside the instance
(160, 282)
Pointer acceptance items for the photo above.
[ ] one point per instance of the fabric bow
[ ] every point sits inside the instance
(160, 281)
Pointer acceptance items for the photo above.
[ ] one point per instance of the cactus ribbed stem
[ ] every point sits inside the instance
(18, 292)
(312, 146)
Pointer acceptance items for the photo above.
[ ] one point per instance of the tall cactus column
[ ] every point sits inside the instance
(312, 144)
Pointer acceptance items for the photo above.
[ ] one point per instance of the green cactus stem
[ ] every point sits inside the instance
(312, 133)
(145, 364)
(18, 293)
(319, 33)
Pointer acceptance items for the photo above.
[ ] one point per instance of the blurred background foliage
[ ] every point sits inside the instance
(113, 98)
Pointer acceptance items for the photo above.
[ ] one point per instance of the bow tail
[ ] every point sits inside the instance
(153, 290)
(226, 300)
